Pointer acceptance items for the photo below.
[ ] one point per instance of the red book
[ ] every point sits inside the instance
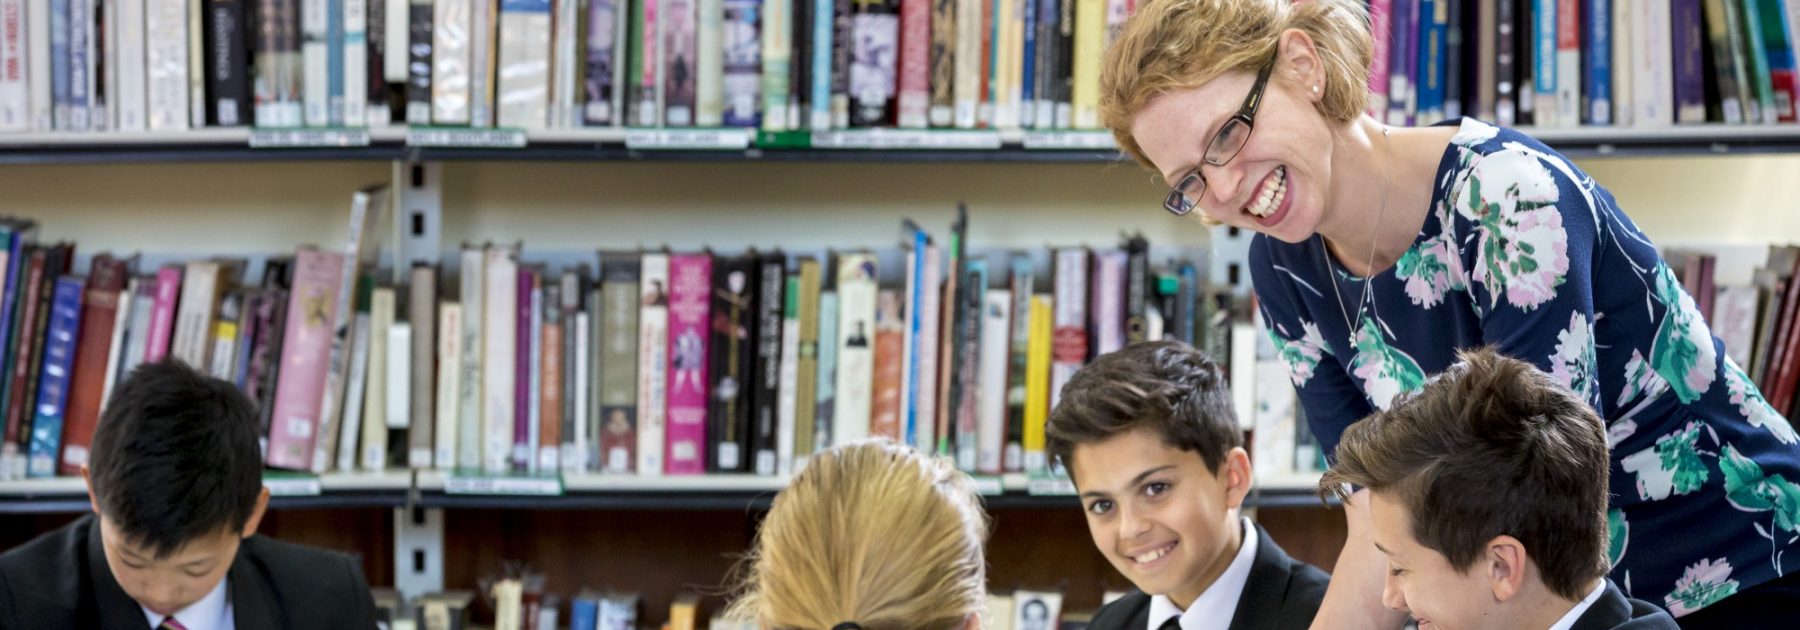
(690, 308)
(99, 310)
(162, 318)
(890, 335)
(30, 287)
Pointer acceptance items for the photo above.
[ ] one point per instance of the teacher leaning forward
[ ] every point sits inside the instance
(1380, 251)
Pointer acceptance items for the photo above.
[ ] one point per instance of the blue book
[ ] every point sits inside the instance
(825, 392)
(59, 63)
(81, 27)
(909, 425)
(334, 56)
(1434, 26)
(1596, 55)
(53, 382)
(1401, 71)
(583, 612)
(1028, 75)
(822, 52)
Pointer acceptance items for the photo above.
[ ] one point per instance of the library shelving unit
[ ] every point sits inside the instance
(422, 530)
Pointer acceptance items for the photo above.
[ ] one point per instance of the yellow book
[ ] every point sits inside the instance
(1090, 42)
(1037, 384)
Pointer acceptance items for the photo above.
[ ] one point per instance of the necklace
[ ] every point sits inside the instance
(1387, 149)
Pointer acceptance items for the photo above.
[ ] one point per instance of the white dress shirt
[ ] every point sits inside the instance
(1568, 620)
(212, 612)
(1215, 607)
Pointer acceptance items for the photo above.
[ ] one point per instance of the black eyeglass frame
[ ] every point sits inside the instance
(1177, 202)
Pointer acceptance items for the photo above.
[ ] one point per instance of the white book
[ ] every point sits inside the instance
(566, 64)
(777, 53)
(379, 388)
(194, 317)
(1624, 44)
(653, 350)
(709, 78)
(396, 36)
(355, 388)
(1108, 310)
(167, 53)
(1568, 85)
(1276, 404)
(481, 62)
(788, 395)
(449, 385)
(990, 400)
(137, 338)
(356, 61)
(967, 90)
(368, 214)
(399, 377)
(450, 59)
(1071, 289)
(37, 60)
(315, 50)
(1653, 85)
(575, 449)
(534, 386)
(196, 63)
(122, 318)
(524, 82)
(499, 353)
(15, 106)
(855, 386)
(930, 317)
(470, 368)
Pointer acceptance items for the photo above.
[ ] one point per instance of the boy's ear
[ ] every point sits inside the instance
(256, 514)
(1504, 560)
(93, 503)
(1235, 471)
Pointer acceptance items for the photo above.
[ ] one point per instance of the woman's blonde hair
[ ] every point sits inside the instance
(873, 533)
(1171, 45)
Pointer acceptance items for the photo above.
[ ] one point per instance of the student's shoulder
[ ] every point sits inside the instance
(294, 579)
(40, 580)
(1124, 613)
(293, 568)
(55, 549)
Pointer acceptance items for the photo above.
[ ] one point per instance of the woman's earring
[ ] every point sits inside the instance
(1315, 89)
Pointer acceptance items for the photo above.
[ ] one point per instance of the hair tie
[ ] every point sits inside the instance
(848, 625)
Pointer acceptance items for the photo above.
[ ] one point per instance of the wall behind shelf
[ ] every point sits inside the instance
(253, 208)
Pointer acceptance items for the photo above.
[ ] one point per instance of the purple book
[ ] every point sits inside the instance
(522, 446)
(1401, 60)
(1690, 67)
(690, 308)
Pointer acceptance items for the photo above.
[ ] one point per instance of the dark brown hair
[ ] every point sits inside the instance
(1165, 386)
(1491, 447)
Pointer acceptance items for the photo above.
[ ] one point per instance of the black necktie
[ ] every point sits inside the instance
(1174, 623)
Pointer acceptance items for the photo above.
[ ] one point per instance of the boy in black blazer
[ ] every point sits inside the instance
(1487, 492)
(175, 479)
(1149, 438)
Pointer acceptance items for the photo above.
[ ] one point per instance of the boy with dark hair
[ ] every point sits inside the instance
(1488, 496)
(175, 480)
(1149, 438)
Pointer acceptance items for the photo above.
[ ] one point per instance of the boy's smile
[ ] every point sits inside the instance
(1158, 515)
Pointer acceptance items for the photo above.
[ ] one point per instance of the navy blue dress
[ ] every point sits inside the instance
(1524, 252)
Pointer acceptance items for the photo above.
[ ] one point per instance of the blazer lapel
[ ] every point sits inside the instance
(1266, 586)
(115, 608)
(252, 600)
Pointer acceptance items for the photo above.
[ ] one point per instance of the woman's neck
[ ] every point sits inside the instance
(1381, 192)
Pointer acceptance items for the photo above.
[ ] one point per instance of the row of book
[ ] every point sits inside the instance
(1755, 321)
(1567, 63)
(83, 65)
(661, 363)
(522, 604)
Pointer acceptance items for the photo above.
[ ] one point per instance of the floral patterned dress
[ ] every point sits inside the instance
(1524, 252)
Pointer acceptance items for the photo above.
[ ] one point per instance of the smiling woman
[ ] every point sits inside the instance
(1449, 237)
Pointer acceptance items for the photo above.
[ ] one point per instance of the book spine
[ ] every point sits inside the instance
(125, 302)
(306, 349)
(821, 47)
(356, 384)
(1381, 31)
(451, 56)
(523, 100)
(1028, 62)
(968, 62)
(1065, 64)
(580, 453)
(945, 68)
(1597, 45)
(766, 376)
(1137, 285)
(1090, 26)
(1038, 390)
(787, 395)
(335, 48)
(990, 397)
(928, 356)
(1071, 336)
(806, 366)
(525, 370)
(355, 62)
(689, 318)
(916, 63)
(194, 319)
(1019, 333)
(1690, 36)
(315, 25)
(81, 68)
(53, 386)
(1433, 23)
(162, 320)
(1777, 35)
(60, 56)
(733, 301)
(1568, 93)
(27, 329)
(824, 408)
(677, 19)
(890, 337)
(500, 325)
(619, 291)
(856, 362)
(482, 49)
(1756, 63)
(227, 82)
(1726, 70)
(422, 315)
(743, 62)
(449, 385)
(471, 368)
(1505, 73)
(838, 17)
(15, 106)
(37, 59)
(602, 46)
(965, 368)
(1106, 314)
(379, 384)
(872, 71)
(225, 332)
(709, 82)
(777, 54)
(565, 64)
(551, 382)
(653, 363)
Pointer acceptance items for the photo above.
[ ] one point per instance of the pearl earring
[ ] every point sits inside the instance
(1315, 89)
